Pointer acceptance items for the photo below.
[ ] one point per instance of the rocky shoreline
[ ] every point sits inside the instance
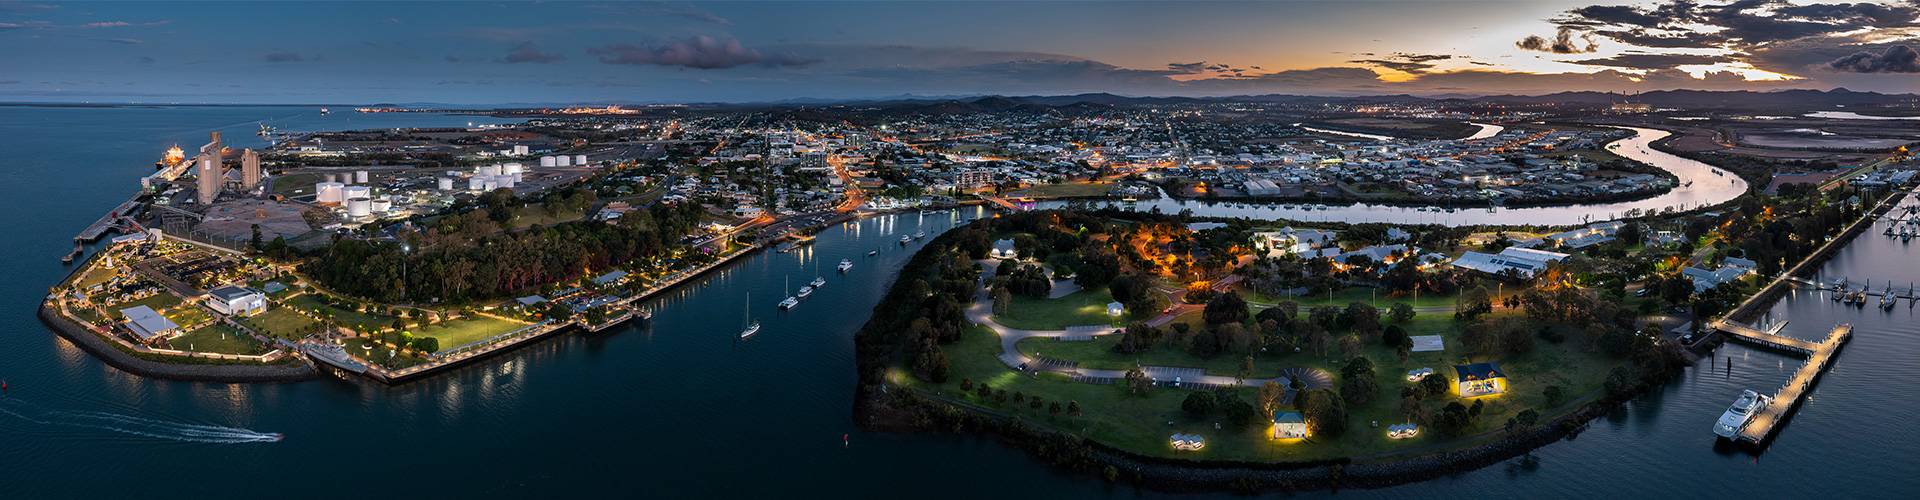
(908, 411)
(104, 350)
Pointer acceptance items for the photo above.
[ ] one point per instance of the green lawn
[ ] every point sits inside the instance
(1085, 307)
(379, 354)
(158, 301)
(280, 322)
(95, 276)
(1142, 423)
(187, 314)
(464, 330)
(345, 317)
(218, 338)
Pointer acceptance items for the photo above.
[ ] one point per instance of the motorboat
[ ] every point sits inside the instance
(789, 302)
(870, 253)
(1739, 414)
(904, 240)
(818, 281)
(919, 234)
(846, 265)
(804, 292)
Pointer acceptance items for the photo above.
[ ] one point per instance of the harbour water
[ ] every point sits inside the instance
(680, 408)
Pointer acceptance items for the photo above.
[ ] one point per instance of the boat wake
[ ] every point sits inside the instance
(136, 426)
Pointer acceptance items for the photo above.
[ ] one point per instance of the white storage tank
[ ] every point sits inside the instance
(512, 168)
(505, 181)
(476, 183)
(446, 183)
(562, 161)
(359, 192)
(359, 207)
(493, 169)
(382, 205)
(548, 161)
(360, 176)
(488, 183)
(329, 192)
(580, 160)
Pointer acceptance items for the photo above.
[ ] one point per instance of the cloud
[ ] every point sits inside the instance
(700, 15)
(1405, 62)
(698, 52)
(1563, 43)
(1188, 68)
(1641, 60)
(283, 57)
(126, 41)
(525, 52)
(1896, 59)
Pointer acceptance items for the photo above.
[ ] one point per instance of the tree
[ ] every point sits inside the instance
(1363, 319)
(426, 344)
(1239, 413)
(1411, 407)
(1002, 300)
(1357, 383)
(1053, 408)
(1073, 408)
(1453, 419)
(1246, 369)
(1137, 381)
(1522, 421)
(931, 365)
(1269, 397)
(1226, 308)
(1472, 303)
(1435, 384)
(1325, 412)
(1350, 345)
(1400, 312)
(1199, 404)
(1554, 395)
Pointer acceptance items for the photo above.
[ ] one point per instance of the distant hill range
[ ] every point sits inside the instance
(1688, 99)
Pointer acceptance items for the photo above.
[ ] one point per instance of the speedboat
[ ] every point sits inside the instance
(789, 302)
(904, 240)
(846, 265)
(919, 234)
(1737, 415)
(804, 292)
(870, 253)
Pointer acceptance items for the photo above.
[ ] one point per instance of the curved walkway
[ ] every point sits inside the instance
(981, 313)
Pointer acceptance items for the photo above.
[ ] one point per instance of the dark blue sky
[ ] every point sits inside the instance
(510, 52)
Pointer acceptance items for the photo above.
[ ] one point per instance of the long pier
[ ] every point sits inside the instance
(100, 227)
(1819, 359)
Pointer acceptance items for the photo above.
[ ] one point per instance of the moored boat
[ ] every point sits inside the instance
(1739, 414)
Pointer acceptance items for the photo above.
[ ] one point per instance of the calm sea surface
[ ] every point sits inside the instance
(679, 408)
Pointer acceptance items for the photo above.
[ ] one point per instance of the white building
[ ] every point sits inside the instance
(237, 301)
(1524, 261)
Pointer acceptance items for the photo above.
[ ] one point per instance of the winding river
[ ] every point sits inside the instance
(1700, 185)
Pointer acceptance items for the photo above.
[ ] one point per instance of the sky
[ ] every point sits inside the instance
(652, 52)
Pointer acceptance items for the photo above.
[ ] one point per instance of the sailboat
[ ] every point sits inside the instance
(819, 280)
(752, 327)
(790, 301)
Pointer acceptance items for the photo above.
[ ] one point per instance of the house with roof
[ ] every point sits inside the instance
(1289, 425)
(1525, 262)
(1004, 249)
(237, 301)
(147, 325)
(1479, 379)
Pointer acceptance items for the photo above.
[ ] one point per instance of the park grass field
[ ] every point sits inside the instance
(466, 330)
(280, 322)
(345, 317)
(218, 338)
(1142, 423)
(159, 302)
(186, 314)
(1085, 307)
(379, 354)
(95, 276)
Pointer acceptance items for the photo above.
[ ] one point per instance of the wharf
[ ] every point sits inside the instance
(100, 227)
(1819, 358)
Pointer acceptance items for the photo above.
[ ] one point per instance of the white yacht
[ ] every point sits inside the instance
(904, 240)
(818, 281)
(1737, 416)
(804, 292)
(789, 302)
(846, 265)
(752, 327)
(919, 234)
